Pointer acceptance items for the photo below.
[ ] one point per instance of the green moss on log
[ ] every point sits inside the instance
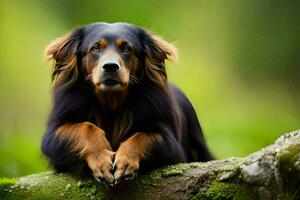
(226, 191)
(49, 186)
(174, 170)
(289, 161)
(5, 186)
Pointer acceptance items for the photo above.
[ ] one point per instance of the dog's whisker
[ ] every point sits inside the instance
(89, 77)
(134, 79)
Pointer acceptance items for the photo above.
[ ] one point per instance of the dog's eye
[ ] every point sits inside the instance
(126, 48)
(95, 48)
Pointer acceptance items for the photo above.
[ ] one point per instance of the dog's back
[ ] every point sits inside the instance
(190, 133)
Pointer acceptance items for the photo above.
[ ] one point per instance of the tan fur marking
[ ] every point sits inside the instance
(103, 42)
(119, 42)
(86, 137)
(131, 152)
(138, 145)
(90, 142)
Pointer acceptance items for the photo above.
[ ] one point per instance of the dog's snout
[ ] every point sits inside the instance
(111, 67)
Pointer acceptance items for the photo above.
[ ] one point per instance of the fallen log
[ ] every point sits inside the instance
(271, 173)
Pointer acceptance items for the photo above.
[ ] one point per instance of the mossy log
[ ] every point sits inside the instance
(271, 173)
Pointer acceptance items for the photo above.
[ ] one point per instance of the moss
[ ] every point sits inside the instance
(5, 187)
(290, 155)
(226, 191)
(289, 170)
(4, 181)
(60, 186)
(172, 172)
(175, 170)
(50, 186)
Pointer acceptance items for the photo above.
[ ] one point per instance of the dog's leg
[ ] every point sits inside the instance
(156, 149)
(90, 143)
(131, 152)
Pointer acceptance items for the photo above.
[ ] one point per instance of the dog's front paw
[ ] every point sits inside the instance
(101, 164)
(126, 165)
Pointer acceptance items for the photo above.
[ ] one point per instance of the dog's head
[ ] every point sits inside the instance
(110, 56)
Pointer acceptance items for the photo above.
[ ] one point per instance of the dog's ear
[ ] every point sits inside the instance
(64, 52)
(157, 50)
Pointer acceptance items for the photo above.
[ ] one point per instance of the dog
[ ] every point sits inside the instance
(114, 113)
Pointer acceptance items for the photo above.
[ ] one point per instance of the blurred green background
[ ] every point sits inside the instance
(239, 63)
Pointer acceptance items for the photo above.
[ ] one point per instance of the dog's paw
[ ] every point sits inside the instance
(101, 164)
(125, 167)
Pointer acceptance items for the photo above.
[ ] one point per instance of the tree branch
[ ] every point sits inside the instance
(271, 173)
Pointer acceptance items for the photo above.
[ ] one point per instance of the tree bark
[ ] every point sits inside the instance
(271, 173)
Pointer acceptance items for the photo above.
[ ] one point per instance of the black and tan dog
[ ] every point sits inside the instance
(114, 112)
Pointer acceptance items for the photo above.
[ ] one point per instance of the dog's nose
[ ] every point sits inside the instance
(111, 67)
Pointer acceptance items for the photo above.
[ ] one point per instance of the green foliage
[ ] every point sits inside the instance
(238, 64)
